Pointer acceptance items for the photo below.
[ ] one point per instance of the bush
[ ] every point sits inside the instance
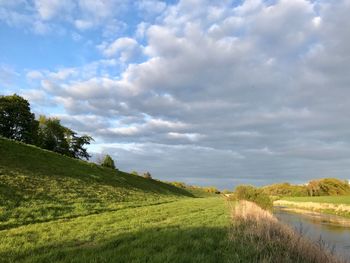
(211, 189)
(253, 194)
(108, 162)
(147, 175)
(285, 189)
(328, 186)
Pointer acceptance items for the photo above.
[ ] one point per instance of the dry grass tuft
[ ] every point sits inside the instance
(272, 241)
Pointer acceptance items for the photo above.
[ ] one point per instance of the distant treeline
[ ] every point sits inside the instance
(263, 196)
(17, 122)
(318, 187)
(209, 189)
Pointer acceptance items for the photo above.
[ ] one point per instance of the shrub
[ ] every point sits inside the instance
(147, 175)
(253, 194)
(108, 162)
(211, 189)
(328, 186)
(285, 189)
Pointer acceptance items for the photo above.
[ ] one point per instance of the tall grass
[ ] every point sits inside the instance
(258, 236)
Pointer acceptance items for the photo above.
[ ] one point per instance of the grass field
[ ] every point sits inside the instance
(57, 209)
(38, 186)
(321, 199)
(188, 230)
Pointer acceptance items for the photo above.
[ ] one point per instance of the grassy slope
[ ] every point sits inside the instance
(38, 185)
(188, 230)
(321, 199)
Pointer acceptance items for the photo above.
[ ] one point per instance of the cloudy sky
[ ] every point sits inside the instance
(205, 92)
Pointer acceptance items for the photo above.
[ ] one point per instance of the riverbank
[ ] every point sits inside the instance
(338, 209)
(257, 236)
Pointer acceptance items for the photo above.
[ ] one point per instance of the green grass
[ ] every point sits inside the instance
(188, 230)
(321, 199)
(38, 186)
(57, 209)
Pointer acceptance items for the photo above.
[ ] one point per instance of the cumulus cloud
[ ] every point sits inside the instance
(49, 9)
(216, 91)
(125, 48)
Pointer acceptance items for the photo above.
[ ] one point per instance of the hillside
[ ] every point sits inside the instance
(38, 185)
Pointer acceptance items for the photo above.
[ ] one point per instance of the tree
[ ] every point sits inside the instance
(108, 162)
(16, 120)
(76, 145)
(53, 136)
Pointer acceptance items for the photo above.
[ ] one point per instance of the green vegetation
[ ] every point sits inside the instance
(54, 208)
(328, 186)
(202, 191)
(285, 189)
(253, 194)
(16, 120)
(108, 162)
(319, 187)
(38, 185)
(321, 199)
(188, 230)
(53, 136)
(18, 123)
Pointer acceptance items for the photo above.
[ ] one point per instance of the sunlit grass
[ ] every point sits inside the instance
(38, 185)
(321, 199)
(189, 230)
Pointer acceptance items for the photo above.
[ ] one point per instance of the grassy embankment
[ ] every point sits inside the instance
(335, 205)
(38, 185)
(57, 209)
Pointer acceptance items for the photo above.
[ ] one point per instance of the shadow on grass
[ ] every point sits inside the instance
(150, 245)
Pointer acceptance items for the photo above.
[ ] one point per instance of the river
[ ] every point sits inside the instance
(316, 226)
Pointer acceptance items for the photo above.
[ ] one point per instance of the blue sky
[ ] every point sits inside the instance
(205, 92)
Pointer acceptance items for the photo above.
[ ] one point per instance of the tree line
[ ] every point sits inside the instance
(17, 122)
(317, 187)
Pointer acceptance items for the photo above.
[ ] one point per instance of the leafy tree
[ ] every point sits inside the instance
(16, 120)
(108, 162)
(76, 145)
(53, 136)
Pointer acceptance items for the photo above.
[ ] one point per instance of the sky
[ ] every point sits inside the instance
(199, 91)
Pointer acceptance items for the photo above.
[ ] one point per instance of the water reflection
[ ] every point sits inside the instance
(316, 226)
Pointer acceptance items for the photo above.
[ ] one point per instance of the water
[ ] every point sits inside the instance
(316, 226)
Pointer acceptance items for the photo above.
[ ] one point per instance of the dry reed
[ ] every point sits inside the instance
(273, 241)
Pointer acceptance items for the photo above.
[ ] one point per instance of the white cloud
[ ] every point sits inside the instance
(126, 48)
(49, 9)
(83, 24)
(253, 93)
(34, 74)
